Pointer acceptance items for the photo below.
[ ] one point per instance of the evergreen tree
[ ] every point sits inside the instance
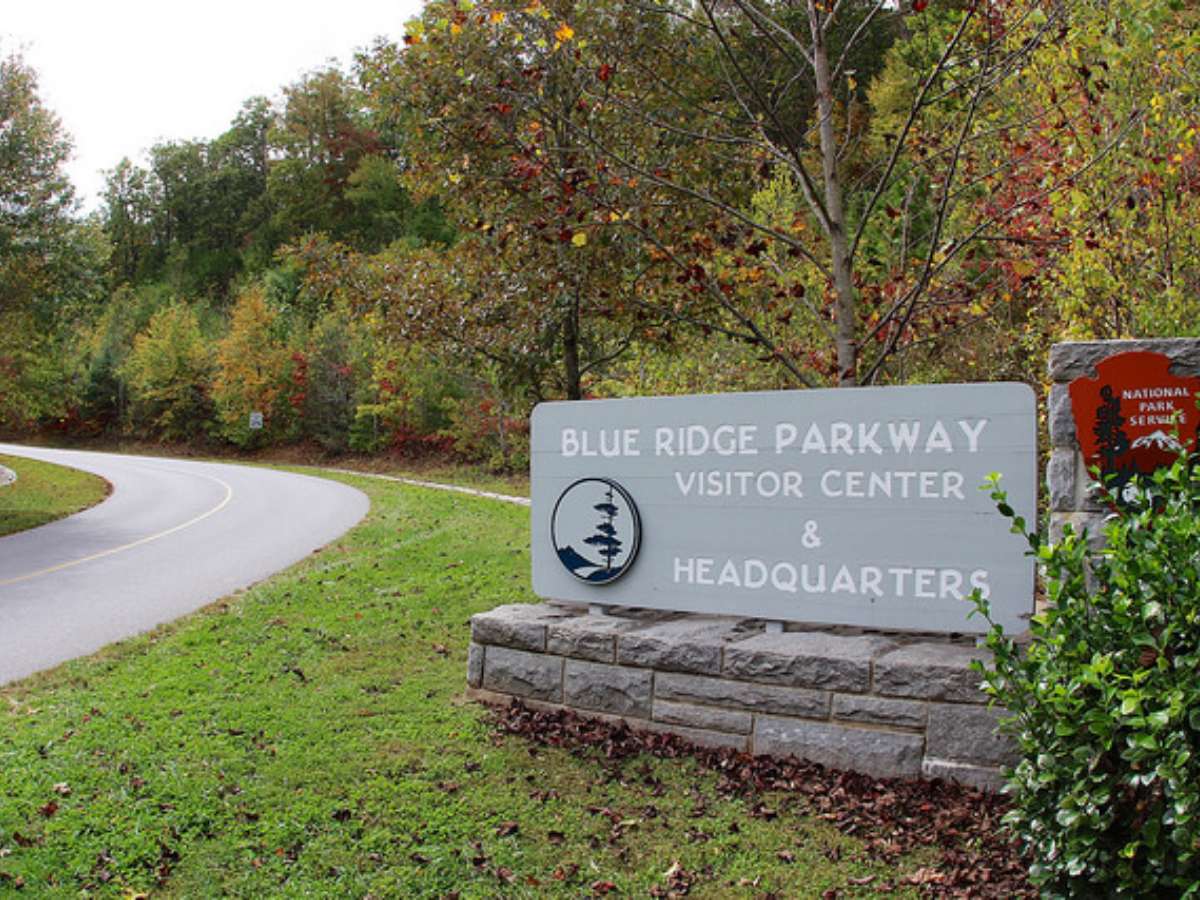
(1111, 439)
(606, 536)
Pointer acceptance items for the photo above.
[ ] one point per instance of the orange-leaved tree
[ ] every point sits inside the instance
(254, 366)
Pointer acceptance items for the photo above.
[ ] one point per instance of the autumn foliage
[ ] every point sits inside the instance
(517, 201)
(254, 369)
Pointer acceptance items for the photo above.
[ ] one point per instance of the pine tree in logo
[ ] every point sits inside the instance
(1111, 439)
(606, 534)
(1112, 443)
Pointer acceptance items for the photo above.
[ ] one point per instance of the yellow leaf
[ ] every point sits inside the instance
(497, 16)
(455, 28)
(565, 33)
(580, 239)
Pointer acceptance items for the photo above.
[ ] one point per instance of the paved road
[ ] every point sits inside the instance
(174, 536)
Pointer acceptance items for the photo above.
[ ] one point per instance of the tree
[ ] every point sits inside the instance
(50, 264)
(105, 343)
(882, 212)
(169, 372)
(606, 533)
(35, 372)
(1110, 437)
(322, 136)
(131, 204)
(36, 197)
(188, 217)
(1127, 260)
(381, 210)
(331, 391)
(241, 159)
(493, 100)
(252, 375)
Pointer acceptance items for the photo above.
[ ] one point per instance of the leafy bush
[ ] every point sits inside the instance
(1106, 702)
(487, 429)
(169, 371)
(331, 390)
(407, 401)
(34, 373)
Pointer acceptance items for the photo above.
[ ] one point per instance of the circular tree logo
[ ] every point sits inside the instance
(596, 530)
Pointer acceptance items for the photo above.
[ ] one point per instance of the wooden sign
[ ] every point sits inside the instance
(850, 506)
(1135, 416)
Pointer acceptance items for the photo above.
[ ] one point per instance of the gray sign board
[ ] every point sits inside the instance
(857, 506)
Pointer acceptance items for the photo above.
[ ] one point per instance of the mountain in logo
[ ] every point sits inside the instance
(574, 561)
(1158, 440)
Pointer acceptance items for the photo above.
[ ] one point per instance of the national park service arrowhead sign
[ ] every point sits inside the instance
(853, 506)
(1134, 416)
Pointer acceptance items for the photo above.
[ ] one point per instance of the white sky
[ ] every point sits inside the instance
(126, 74)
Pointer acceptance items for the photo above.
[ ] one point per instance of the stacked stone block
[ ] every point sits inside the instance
(888, 706)
(1067, 478)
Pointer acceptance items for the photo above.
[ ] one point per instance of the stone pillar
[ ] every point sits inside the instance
(1066, 474)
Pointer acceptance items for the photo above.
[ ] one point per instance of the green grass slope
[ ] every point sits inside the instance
(309, 738)
(44, 492)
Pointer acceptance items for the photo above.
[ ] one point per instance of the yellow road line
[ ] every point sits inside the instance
(154, 537)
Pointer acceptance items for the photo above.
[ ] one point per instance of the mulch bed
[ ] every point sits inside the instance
(893, 817)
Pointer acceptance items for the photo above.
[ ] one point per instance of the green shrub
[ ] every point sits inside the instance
(169, 371)
(407, 401)
(329, 400)
(485, 428)
(1106, 702)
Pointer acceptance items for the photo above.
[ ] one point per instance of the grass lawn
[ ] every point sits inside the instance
(44, 492)
(309, 738)
(514, 484)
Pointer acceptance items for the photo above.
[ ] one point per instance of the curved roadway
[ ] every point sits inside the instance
(174, 536)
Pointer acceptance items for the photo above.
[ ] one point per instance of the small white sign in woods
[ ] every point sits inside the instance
(851, 506)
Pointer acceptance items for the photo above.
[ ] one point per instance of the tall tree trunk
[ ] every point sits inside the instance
(570, 339)
(843, 282)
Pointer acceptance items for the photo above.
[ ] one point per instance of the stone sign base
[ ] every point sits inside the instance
(884, 705)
